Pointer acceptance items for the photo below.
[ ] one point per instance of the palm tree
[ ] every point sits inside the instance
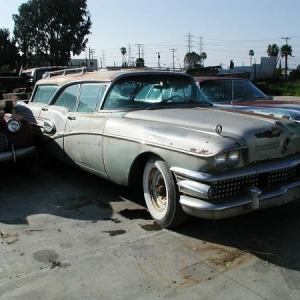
(285, 51)
(272, 50)
(251, 54)
(203, 57)
(123, 52)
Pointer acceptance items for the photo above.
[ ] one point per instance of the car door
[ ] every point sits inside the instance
(84, 128)
(54, 118)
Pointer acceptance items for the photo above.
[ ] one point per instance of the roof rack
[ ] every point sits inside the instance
(66, 71)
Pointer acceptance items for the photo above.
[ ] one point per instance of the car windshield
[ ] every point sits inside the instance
(144, 91)
(230, 90)
(44, 93)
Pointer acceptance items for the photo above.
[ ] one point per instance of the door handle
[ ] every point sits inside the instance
(71, 118)
(44, 109)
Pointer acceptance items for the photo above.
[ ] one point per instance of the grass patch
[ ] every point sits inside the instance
(280, 88)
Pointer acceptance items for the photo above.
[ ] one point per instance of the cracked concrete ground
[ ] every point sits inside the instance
(66, 234)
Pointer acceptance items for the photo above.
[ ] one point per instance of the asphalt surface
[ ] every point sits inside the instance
(66, 234)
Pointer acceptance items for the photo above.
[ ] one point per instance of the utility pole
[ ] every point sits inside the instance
(201, 45)
(286, 56)
(286, 38)
(103, 58)
(91, 56)
(158, 60)
(173, 50)
(139, 49)
(129, 55)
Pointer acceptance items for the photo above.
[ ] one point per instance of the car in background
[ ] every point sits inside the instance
(242, 94)
(16, 139)
(154, 129)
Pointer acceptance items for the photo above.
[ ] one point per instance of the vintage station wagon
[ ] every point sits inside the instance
(155, 129)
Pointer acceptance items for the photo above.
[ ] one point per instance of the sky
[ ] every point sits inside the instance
(224, 29)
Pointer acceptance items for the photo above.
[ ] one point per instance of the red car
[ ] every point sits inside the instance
(242, 94)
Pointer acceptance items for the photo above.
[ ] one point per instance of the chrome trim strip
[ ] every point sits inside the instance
(167, 147)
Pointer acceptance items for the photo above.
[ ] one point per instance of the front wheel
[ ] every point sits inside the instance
(161, 194)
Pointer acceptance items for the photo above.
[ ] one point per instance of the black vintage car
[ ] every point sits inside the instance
(16, 140)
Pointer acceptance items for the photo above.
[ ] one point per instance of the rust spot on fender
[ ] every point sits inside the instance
(270, 133)
(203, 151)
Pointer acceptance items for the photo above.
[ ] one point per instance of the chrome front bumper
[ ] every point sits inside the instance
(220, 209)
(16, 155)
(238, 191)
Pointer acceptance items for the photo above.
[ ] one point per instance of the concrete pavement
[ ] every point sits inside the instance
(65, 234)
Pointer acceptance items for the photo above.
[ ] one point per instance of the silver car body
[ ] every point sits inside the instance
(224, 163)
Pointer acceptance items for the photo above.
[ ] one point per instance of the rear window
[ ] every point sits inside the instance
(44, 93)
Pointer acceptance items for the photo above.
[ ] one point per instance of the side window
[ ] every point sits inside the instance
(68, 98)
(90, 97)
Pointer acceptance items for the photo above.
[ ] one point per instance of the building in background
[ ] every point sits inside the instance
(84, 62)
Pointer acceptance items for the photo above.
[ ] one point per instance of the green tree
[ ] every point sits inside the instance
(139, 63)
(191, 60)
(285, 51)
(8, 51)
(272, 50)
(53, 29)
(123, 52)
(251, 54)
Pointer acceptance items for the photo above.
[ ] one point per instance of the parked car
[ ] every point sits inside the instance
(154, 129)
(16, 138)
(242, 94)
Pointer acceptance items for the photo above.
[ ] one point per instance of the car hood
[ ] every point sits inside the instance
(278, 109)
(210, 131)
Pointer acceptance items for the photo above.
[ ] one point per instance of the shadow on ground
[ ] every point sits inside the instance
(271, 235)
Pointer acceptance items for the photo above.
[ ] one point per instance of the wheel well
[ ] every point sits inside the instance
(137, 168)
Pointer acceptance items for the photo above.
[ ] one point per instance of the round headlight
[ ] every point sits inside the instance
(221, 160)
(233, 158)
(13, 125)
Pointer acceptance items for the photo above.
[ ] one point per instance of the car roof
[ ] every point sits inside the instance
(199, 79)
(61, 77)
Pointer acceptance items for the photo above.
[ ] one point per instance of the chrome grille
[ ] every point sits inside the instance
(3, 143)
(272, 178)
(235, 186)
